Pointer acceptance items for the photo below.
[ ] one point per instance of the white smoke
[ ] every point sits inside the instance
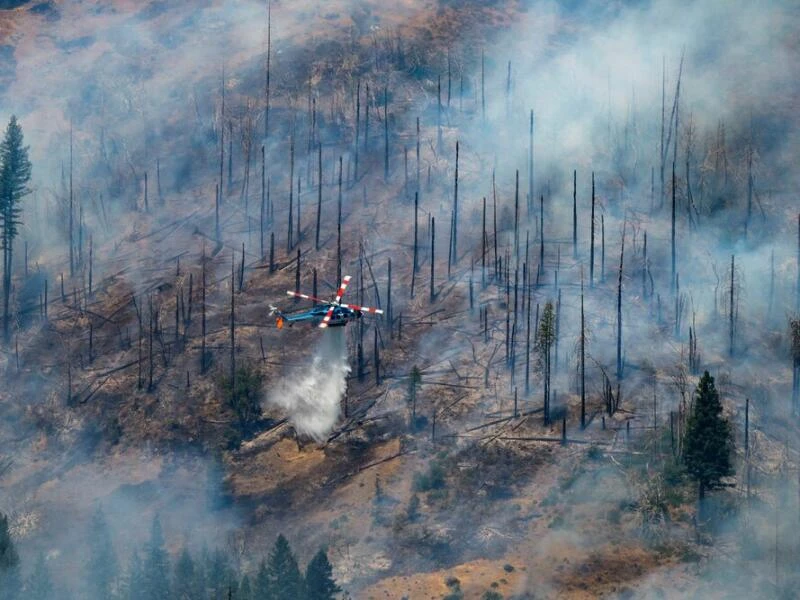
(312, 394)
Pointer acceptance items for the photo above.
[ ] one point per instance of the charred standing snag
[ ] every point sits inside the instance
(319, 196)
(339, 227)
(357, 135)
(591, 240)
(267, 81)
(619, 305)
(455, 211)
(290, 236)
(385, 134)
(263, 203)
(433, 253)
(583, 361)
(530, 166)
(575, 214)
(415, 261)
(794, 332)
(672, 235)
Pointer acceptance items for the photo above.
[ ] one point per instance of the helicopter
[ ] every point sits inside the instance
(330, 313)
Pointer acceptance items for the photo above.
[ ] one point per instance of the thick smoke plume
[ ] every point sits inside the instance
(312, 394)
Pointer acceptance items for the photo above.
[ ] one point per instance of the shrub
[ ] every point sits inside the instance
(432, 480)
(245, 397)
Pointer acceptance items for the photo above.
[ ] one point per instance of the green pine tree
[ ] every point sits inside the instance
(101, 566)
(135, 584)
(185, 582)
(544, 342)
(285, 580)
(218, 575)
(262, 590)
(15, 173)
(245, 590)
(156, 566)
(40, 585)
(320, 584)
(708, 441)
(9, 562)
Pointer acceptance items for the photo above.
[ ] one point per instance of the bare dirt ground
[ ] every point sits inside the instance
(522, 516)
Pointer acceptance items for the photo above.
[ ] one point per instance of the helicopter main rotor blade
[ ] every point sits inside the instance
(342, 288)
(305, 296)
(366, 309)
(327, 317)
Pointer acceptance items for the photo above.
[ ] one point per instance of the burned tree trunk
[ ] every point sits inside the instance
(644, 267)
(232, 374)
(389, 297)
(241, 271)
(357, 137)
(217, 232)
(289, 239)
(433, 254)
(271, 251)
(494, 217)
(591, 240)
(377, 358)
(450, 246)
(797, 285)
(575, 214)
(530, 165)
(385, 134)
(319, 194)
(230, 156)
(516, 216)
(221, 139)
(366, 120)
(91, 257)
(455, 210)
(732, 309)
(158, 181)
(619, 306)
(339, 226)
(267, 82)
(150, 345)
(439, 114)
(415, 263)
(263, 202)
(71, 213)
(602, 248)
(203, 314)
(528, 351)
(672, 235)
(483, 247)
(418, 163)
(794, 331)
(583, 362)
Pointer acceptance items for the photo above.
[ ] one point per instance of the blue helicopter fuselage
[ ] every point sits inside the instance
(339, 318)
